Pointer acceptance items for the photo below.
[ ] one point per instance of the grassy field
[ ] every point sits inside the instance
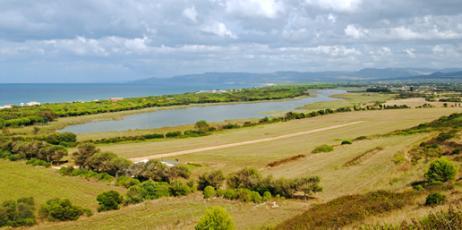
(183, 213)
(375, 167)
(21, 180)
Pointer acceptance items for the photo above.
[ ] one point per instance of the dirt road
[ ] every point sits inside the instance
(189, 151)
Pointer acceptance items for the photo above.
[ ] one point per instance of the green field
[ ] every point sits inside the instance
(21, 180)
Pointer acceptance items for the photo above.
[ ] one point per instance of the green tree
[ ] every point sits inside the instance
(110, 200)
(215, 218)
(84, 152)
(441, 170)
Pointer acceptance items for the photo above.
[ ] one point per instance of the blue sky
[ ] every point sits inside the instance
(118, 40)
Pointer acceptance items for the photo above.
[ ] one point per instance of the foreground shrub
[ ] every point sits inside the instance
(441, 170)
(215, 218)
(17, 213)
(323, 149)
(61, 210)
(109, 201)
(209, 192)
(435, 199)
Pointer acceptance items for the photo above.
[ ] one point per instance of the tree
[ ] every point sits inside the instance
(245, 178)
(308, 185)
(61, 210)
(441, 170)
(151, 170)
(202, 126)
(52, 153)
(17, 213)
(215, 218)
(110, 200)
(214, 179)
(84, 152)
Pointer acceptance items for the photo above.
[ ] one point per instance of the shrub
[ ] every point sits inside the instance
(202, 126)
(173, 134)
(38, 162)
(230, 194)
(215, 218)
(323, 149)
(126, 181)
(178, 188)
(244, 178)
(346, 142)
(209, 192)
(214, 179)
(110, 200)
(135, 194)
(61, 210)
(17, 213)
(267, 196)
(154, 190)
(435, 199)
(441, 170)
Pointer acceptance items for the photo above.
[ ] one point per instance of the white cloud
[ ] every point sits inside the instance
(264, 8)
(336, 5)
(355, 32)
(410, 52)
(332, 18)
(190, 13)
(219, 29)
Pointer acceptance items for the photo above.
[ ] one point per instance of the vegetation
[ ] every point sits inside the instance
(214, 179)
(209, 192)
(17, 213)
(435, 199)
(110, 200)
(215, 218)
(345, 210)
(441, 170)
(286, 160)
(61, 210)
(323, 149)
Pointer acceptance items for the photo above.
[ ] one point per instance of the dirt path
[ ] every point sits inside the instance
(189, 151)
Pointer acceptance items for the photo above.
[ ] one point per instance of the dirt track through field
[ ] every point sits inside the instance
(189, 151)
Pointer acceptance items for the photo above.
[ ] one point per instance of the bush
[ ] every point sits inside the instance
(17, 213)
(441, 170)
(346, 142)
(61, 210)
(178, 188)
(209, 192)
(435, 199)
(323, 149)
(154, 190)
(267, 196)
(214, 179)
(215, 218)
(109, 201)
(245, 178)
(127, 181)
(173, 134)
(38, 162)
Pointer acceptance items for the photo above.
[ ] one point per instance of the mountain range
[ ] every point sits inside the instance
(363, 75)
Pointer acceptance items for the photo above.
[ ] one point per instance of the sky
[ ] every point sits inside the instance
(119, 40)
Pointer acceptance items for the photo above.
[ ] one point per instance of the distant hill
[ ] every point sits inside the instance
(369, 74)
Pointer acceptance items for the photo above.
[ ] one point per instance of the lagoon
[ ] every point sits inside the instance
(210, 113)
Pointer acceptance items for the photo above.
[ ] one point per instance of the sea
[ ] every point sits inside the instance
(15, 94)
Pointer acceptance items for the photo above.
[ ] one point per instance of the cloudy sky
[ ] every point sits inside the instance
(119, 40)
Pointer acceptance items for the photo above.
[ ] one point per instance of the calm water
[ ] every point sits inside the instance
(45, 93)
(190, 115)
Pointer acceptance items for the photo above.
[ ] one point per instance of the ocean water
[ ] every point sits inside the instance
(189, 115)
(48, 93)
